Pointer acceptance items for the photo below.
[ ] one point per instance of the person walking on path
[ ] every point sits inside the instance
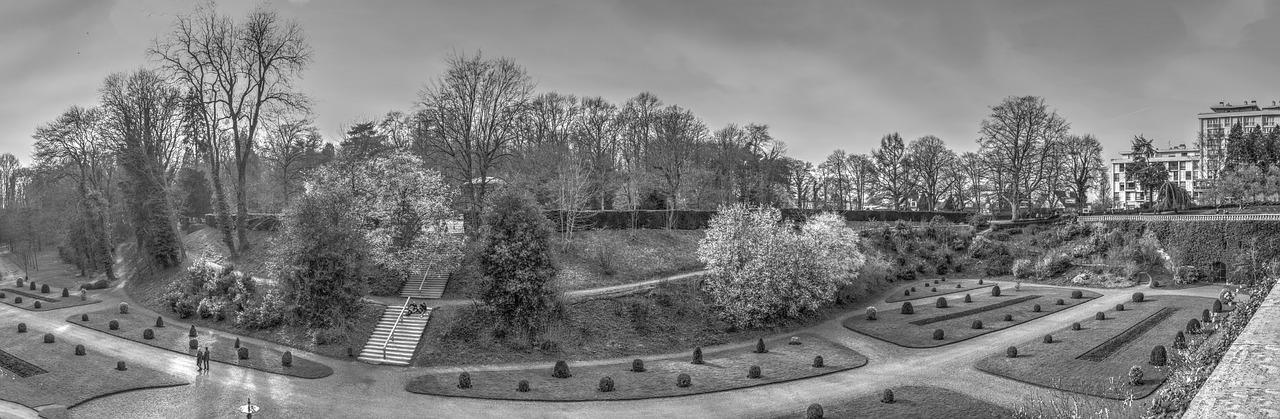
(206, 359)
(199, 360)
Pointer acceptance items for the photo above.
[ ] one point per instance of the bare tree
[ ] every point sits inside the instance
(75, 140)
(800, 180)
(597, 137)
(637, 119)
(1018, 137)
(930, 161)
(475, 108)
(974, 168)
(1084, 165)
(678, 135)
(893, 174)
(291, 143)
(9, 166)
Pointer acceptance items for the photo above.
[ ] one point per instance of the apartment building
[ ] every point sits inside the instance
(1185, 166)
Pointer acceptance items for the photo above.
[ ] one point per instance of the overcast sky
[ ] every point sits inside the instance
(822, 75)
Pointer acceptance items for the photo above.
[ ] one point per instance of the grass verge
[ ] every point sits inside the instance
(967, 286)
(911, 402)
(47, 301)
(723, 370)
(173, 337)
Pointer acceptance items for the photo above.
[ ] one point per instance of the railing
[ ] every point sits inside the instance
(394, 326)
(1211, 217)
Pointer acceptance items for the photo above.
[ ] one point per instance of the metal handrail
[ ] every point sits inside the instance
(394, 326)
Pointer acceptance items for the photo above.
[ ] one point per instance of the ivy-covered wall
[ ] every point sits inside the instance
(1201, 243)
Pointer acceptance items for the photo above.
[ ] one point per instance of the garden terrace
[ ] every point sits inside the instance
(68, 379)
(47, 301)
(956, 321)
(174, 337)
(723, 370)
(911, 402)
(1126, 337)
(948, 287)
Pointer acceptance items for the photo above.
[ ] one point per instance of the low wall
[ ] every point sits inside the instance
(1246, 383)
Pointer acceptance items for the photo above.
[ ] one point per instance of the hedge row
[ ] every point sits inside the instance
(1213, 241)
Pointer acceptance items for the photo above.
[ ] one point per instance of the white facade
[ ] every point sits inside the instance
(1183, 164)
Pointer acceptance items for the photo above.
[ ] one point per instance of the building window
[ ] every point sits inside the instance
(1120, 168)
(1188, 175)
(1115, 177)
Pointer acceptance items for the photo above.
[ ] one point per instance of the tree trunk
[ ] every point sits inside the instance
(223, 211)
(242, 211)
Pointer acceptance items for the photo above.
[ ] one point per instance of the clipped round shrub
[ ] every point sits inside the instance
(66, 293)
(935, 281)
(1217, 306)
(464, 380)
(907, 309)
(523, 386)
(818, 362)
(2, 295)
(286, 359)
(242, 353)
(814, 411)
(1100, 316)
(79, 350)
(941, 303)
(760, 349)
(32, 286)
(120, 366)
(906, 293)
(968, 298)
(1077, 294)
(48, 338)
(1154, 283)
(22, 328)
(124, 308)
(1119, 307)
(959, 286)
(887, 396)
(683, 380)
(193, 344)
(913, 289)
(980, 282)
(192, 333)
(1011, 352)
(113, 325)
(19, 281)
(237, 344)
(159, 321)
(44, 289)
(561, 370)
(995, 291)
(1204, 316)
(938, 334)
(17, 300)
(637, 365)
(1075, 326)
(1193, 326)
(1159, 356)
(1179, 341)
(1138, 297)
(606, 385)
(84, 317)
(753, 372)
(37, 304)
(977, 324)
(1035, 308)
(1048, 338)
(697, 356)
(148, 334)
(1060, 302)
(1135, 376)
(871, 313)
(1008, 317)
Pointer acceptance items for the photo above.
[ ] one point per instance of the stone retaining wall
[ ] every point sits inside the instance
(1246, 383)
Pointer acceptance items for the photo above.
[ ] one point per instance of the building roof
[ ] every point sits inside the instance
(1246, 106)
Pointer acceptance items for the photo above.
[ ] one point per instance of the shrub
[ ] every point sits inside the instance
(871, 313)
(937, 334)
(1035, 308)
(1179, 341)
(1138, 297)
(66, 292)
(44, 289)
(1204, 316)
(887, 397)
(683, 380)
(606, 385)
(1217, 306)
(941, 303)
(79, 350)
(1158, 356)
(697, 356)
(1077, 294)
(1008, 317)
(977, 324)
(995, 291)
(906, 308)
(1048, 338)
(2, 296)
(959, 286)
(17, 300)
(242, 353)
(48, 338)
(818, 362)
(760, 349)
(935, 281)
(148, 334)
(561, 370)
(980, 282)
(523, 386)
(464, 380)
(637, 365)
(120, 366)
(1135, 376)
(1100, 316)
(754, 372)
(237, 344)
(1011, 352)
(906, 293)
(1119, 307)
(192, 333)
(287, 359)
(968, 299)
(124, 308)
(814, 411)
(113, 325)
(22, 328)
(36, 304)
(84, 317)
(1193, 326)
(1075, 326)
(934, 289)
(32, 286)
(19, 281)
(159, 321)
(913, 289)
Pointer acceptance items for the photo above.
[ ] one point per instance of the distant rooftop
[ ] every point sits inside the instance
(1245, 106)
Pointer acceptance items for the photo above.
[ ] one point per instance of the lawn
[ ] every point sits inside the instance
(600, 258)
(723, 370)
(174, 337)
(51, 301)
(911, 402)
(52, 270)
(956, 321)
(1096, 359)
(67, 379)
(925, 289)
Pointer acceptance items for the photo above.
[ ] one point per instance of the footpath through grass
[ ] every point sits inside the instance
(956, 320)
(911, 402)
(1096, 359)
(67, 379)
(174, 337)
(723, 370)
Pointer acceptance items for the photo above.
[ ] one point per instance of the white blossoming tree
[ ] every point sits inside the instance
(762, 270)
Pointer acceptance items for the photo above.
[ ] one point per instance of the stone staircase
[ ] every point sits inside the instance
(404, 336)
(429, 275)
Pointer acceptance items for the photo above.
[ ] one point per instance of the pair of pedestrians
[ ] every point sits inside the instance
(202, 359)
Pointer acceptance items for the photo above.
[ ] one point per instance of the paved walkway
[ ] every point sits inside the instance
(363, 390)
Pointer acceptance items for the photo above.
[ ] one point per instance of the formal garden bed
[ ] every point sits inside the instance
(176, 337)
(27, 299)
(929, 288)
(61, 377)
(721, 370)
(1097, 358)
(910, 402)
(960, 320)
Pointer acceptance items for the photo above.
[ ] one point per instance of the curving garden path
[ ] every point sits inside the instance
(362, 390)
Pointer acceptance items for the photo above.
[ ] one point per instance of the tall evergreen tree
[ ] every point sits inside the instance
(517, 262)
